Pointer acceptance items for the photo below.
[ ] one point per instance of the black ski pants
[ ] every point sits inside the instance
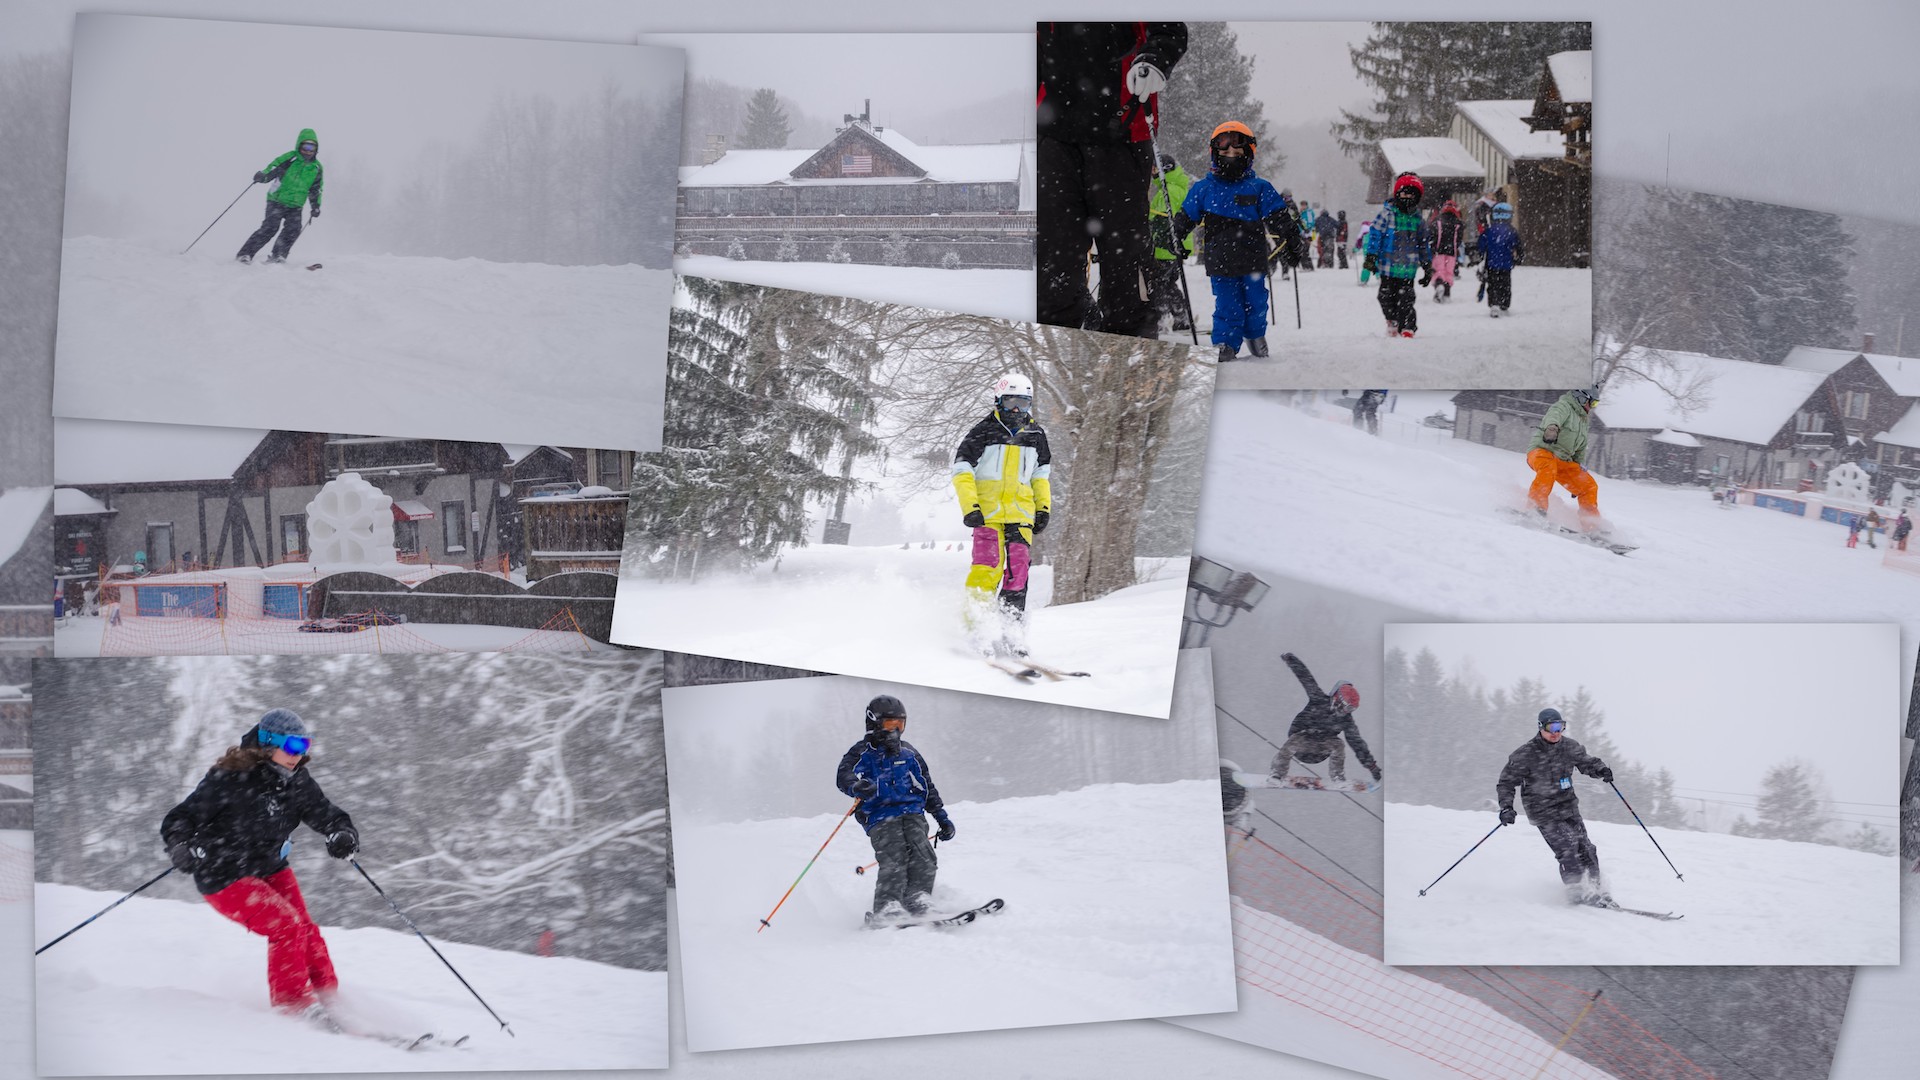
(281, 217)
(1500, 288)
(907, 863)
(1567, 837)
(1095, 193)
(1396, 302)
(1312, 750)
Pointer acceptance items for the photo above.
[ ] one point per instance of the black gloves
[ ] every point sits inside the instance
(315, 216)
(1375, 770)
(1605, 774)
(862, 788)
(1507, 816)
(1040, 519)
(946, 829)
(974, 519)
(1426, 275)
(187, 856)
(343, 843)
(259, 178)
(1369, 265)
(1162, 233)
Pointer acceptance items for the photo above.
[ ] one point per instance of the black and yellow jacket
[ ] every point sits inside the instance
(1004, 471)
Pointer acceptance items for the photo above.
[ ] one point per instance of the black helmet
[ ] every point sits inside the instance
(884, 707)
(1167, 164)
(1550, 716)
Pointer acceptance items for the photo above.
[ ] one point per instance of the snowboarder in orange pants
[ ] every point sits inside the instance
(1559, 445)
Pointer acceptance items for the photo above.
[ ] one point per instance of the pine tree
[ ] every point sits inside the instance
(1789, 806)
(1870, 840)
(765, 126)
(1419, 69)
(1210, 85)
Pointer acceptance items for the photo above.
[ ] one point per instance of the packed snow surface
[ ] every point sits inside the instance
(1116, 908)
(1745, 900)
(885, 612)
(999, 294)
(176, 988)
(437, 348)
(1545, 341)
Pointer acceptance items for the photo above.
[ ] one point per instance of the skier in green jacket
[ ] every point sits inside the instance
(296, 177)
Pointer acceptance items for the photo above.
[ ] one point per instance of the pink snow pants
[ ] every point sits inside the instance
(298, 967)
(1443, 269)
(997, 563)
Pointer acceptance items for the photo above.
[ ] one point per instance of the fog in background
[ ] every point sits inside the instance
(935, 89)
(1303, 76)
(759, 750)
(509, 150)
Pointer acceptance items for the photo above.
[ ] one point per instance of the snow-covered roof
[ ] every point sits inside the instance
(20, 509)
(746, 168)
(117, 452)
(1432, 157)
(67, 502)
(1901, 373)
(1676, 438)
(518, 452)
(14, 693)
(1504, 122)
(1573, 75)
(1745, 402)
(1905, 431)
(965, 163)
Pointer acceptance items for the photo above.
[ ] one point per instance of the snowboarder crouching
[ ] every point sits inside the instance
(233, 834)
(1002, 473)
(1316, 731)
(896, 793)
(1238, 209)
(296, 177)
(1502, 247)
(1542, 771)
(1559, 446)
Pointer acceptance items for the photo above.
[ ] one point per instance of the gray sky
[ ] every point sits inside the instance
(1301, 71)
(1718, 704)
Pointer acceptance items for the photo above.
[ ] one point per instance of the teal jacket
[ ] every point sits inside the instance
(298, 178)
(1572, 418)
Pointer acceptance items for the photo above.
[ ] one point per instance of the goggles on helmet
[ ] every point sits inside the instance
(1555, 726)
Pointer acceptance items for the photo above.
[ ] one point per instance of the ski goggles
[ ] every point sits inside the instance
(309, 148)
(895, 724)
(1017, 402)
(1232, 140)
(292, 744)
(1555, 726)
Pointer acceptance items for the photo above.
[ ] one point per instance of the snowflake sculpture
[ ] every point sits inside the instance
(350, 521)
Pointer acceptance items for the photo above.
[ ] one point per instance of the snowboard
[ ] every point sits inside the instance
(1302, 783)
(1531, 520)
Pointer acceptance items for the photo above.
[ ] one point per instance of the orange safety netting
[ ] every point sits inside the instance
(1316, 942)
(203, 633)
(16, 873)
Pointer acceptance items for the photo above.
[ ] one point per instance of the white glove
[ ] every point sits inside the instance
(1144, 79)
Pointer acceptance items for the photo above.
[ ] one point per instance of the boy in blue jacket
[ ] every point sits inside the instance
(1503, 247)
(896, 793)
(1238, 209)
(1398, 245)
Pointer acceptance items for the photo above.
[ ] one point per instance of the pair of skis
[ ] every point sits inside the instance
(959, 918)
(1027, 669)
(1609, 904)
(1303, 783)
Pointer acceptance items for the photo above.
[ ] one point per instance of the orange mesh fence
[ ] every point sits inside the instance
(1904, 561)
(363, 632)
(1316, 943)
(16, 868)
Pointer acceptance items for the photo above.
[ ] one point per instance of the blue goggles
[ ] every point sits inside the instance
(1556, 726)
(292, 744)
(309, 148)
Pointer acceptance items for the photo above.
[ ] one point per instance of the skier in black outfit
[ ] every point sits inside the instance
(896, 793)
(1543, 771)
(1098, 94)
(1236, 805)
(233, 834)
(1317, 729)
(1366, 410)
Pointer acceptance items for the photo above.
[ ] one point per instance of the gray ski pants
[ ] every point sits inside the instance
(907, 863)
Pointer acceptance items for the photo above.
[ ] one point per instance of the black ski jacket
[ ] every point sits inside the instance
(1319, 718)
(1543, 772)
(245, 818)
(1083, 78)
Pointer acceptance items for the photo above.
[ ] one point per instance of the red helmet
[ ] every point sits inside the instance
(1346, 695)
(1405, 180)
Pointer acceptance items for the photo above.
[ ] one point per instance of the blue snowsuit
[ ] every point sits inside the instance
(895, 819)
(1237, 216)
(1502, 244)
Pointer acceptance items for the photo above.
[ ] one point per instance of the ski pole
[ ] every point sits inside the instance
(764, 923)
(429, 944)
(223, 213)
(1649, 832)
(1296, 300)
(102, 911)
(1463, 858)
(1166, 196)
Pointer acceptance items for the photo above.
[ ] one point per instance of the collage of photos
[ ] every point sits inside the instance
(752, 544)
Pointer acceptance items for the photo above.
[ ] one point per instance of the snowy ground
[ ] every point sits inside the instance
(1116, 909)
(1000, 294)
(894, 614)
(1546, 341)
(1879, 1038)
(440, 348)
(83, 635)
(178, 989)
(1418, 517)
(1746, 901)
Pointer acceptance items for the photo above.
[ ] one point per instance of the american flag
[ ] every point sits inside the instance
(856, 164)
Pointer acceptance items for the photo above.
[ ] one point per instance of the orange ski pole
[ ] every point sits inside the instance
(764, 923)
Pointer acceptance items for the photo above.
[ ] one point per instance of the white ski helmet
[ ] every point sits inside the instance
(1014, 385)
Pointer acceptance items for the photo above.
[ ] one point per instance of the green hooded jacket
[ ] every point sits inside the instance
(299, 178)
(1178, 182)
(1572, 418)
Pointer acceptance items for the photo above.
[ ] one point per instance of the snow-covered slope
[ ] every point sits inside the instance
(1424, 524)
(161, 986)
(1116, 908)
(1000, 294)
(1879, 1037)
(1545, 341)
(890, 613)
(1745, 900)
(428, 347)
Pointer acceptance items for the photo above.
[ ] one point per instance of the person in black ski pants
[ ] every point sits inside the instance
(896, 793)
(1317, 729)
(1543, 770)
(1099, 92)
(233, 834)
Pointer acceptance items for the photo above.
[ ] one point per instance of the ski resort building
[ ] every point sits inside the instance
(870, 195)
(26, 589)
(1878, 397)
(1446, 170)
(1551, 192)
